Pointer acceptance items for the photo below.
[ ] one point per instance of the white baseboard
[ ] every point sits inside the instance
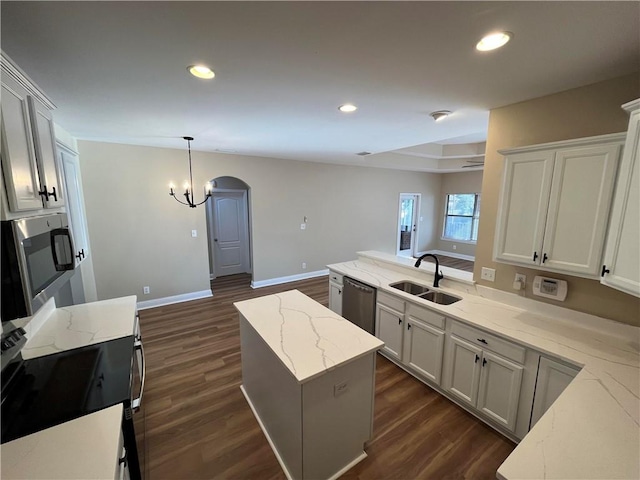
(185, 297)
(290, 278)
(451, 254)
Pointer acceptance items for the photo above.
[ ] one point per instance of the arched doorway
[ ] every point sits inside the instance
(229, 228)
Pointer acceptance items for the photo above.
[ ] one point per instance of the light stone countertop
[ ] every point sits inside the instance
(85, 448)
(593, 429)
(308, 338)
(53, 330)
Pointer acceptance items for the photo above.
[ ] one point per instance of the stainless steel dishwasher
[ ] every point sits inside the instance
(359, 304)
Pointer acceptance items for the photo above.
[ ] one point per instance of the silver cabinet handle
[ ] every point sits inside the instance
(137, 346)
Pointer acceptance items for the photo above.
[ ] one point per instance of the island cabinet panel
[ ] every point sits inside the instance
(275, 398)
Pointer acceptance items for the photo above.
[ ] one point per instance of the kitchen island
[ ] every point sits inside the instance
(309, 377)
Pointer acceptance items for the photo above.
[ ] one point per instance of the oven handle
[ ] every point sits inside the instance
(137, 345)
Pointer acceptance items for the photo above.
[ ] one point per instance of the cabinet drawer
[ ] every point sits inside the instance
(426, 315)
(391, 301)
(489, 342)
(335, 277)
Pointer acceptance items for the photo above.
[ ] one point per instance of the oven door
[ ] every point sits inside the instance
(134, 423)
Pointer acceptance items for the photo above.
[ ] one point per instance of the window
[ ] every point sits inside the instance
(461, 216)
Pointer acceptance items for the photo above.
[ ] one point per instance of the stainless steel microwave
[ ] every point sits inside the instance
(37, 261)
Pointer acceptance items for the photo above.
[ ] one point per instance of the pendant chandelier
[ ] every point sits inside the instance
(188, 186)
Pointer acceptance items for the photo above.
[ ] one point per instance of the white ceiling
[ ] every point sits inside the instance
(117, 70)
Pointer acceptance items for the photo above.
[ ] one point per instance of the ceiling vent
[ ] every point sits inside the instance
(363, 154)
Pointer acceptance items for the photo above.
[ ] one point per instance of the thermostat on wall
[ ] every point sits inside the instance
(550, 288)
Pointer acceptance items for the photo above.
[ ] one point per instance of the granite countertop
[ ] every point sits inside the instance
(593, 429)
(53, 330)
(308, 338)
(85, 448)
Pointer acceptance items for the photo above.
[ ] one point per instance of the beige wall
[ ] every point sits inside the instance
(462, 182)
(141, 236)
(581, 112)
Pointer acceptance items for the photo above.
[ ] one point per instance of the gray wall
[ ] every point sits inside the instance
(141, 236)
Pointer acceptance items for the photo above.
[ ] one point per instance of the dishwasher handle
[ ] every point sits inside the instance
(358, 286)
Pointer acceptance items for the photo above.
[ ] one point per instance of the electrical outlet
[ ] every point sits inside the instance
(521, 278)
(146, 290)
(454, 247)
(194, 233)
(304, 265)
(340, 388)
(303, 226)
(488, 274)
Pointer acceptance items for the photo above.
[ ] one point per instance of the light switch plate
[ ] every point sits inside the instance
(194, 233)
(488, 274)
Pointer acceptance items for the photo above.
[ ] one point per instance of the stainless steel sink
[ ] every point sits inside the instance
(439, 297)
(410, 287)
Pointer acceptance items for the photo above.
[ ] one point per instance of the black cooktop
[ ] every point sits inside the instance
(53, 389)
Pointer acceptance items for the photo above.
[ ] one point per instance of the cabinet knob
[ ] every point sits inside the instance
(482, 340)
(408, 326)
(399, 321)
(46, 194)
(484, 362)
(477, 358)
(544, 257)
(605, 270)
(535, 255)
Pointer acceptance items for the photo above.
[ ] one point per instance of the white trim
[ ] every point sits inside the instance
(461, 256)
(453, 240)
(577, 142)
(185, 297)
(290, 278)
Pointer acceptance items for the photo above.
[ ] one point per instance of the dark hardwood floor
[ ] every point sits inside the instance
(198, 424)
(457, 263)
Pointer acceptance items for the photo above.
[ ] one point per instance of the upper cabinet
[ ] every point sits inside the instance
(554, 204)
(75, 206)
(29, 164)
(621, 264)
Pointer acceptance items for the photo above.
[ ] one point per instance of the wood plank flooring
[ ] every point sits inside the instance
(457, 263)
(198, 424)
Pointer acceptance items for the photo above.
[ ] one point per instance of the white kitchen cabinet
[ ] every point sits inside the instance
(389, 329)
(423, 342)
(621, 263)
(75, 205)
(29, 163)
(335, 292)
(18, 157)
(464, 366)
(499, 389)
(553, 378)
(482, 373)
(555, 203)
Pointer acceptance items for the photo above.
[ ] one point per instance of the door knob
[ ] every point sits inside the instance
(215, 239)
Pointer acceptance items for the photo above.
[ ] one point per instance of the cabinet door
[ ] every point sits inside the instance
(75, 206)
(499, 389)
(45, 147)
(389, 329)
(523, 207)
(583, 180)
(621, 254)
(464, 370)
(18, 157)
(335, 298)
(553, 378)
(423, 347)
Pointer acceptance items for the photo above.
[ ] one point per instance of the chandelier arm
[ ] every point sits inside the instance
(179, 201)
(207, 197)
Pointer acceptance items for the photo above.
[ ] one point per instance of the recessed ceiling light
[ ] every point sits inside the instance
(201, 71)
(493, 41)
(347, 108)
(440, 114)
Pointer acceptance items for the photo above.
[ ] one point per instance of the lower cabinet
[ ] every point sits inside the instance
(553, 378)
(122, 468)
(485, 381)
(389, 329)
(423, 347)
(335, 292)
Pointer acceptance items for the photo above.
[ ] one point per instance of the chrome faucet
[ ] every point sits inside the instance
(437, 275)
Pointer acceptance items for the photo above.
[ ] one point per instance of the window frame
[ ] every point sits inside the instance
(475, 217)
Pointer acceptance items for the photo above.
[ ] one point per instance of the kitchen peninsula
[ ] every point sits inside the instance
(309, 377)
